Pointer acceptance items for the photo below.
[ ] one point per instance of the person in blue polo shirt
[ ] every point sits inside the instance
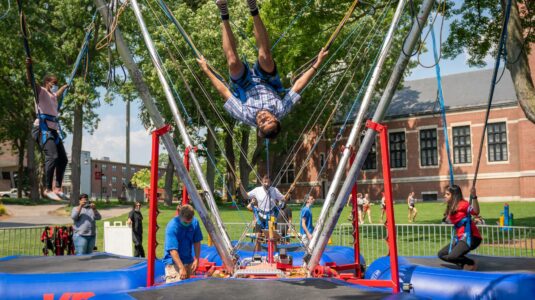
(182, 234)
(306, 221)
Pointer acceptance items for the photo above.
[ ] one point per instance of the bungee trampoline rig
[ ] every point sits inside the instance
(233, 269)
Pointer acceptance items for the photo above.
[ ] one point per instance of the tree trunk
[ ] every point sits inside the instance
(520, 72)
(169, 174)
(245, 170)
(32, 170)
(21, 145)
(76, 152)
(231, 163)
(210, 168)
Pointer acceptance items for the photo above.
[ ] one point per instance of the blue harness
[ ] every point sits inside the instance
(242, 85)
(466, 222)
(45, 131)
(264, 223)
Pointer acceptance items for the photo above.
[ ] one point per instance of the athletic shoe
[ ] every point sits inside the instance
(470, 267)
(53, 196)
(62, 195)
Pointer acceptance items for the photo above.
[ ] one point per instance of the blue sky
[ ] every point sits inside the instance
(110, 137)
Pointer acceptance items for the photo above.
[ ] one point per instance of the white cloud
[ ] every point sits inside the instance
(110, 140)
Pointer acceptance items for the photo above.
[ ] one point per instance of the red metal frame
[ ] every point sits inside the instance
(153, 202)
(355, 213)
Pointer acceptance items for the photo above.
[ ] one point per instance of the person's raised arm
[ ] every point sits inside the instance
(300, 84)
(61, 90)
(219, 86)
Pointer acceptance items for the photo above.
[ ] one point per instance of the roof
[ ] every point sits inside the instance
(462, 91)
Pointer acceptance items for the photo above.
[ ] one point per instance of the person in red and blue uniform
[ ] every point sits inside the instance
(466, 236)
(182, 235)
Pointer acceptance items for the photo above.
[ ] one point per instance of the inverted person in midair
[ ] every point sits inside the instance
(257, 99)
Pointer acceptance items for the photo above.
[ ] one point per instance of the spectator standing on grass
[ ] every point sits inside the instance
(366, 208)
(411, 202)
(135, 219)
(383, 207)
(84, 216)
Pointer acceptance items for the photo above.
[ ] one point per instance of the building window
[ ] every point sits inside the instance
(133, 170)
(114, 168)
(123, 180)
(497, 141)
(114, 193)
(429, 196)
(114, 179)
(124, 170)
(289, 174)
(104, 167)
(397, 150)
(104, 178)
(371, 160)
(428, 147)
(6, 176)
(322, 160)
(462, 147)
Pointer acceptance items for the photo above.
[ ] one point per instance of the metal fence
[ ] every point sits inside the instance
(412, 239)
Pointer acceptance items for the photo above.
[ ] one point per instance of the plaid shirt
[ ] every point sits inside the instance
(260, 97)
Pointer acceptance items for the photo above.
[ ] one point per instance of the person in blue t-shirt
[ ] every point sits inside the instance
(181, 235)
(306, 221)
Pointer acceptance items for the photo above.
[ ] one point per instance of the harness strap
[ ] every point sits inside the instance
(45, 130)
(467, 223)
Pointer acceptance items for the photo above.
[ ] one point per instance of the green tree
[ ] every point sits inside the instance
(476, 29)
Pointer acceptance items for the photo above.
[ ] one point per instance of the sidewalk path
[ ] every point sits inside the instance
(25, 215)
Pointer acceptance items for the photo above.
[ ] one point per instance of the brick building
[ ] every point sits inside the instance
(417, 149)
(8, 167)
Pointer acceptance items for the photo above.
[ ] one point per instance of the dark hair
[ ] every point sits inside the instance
(48, 78)
(456, 196)
(271, 133)
(135, 203)
(266, 176)
(186, 212)
(82, 196)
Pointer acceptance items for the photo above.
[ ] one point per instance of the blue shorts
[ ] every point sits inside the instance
(256, 75)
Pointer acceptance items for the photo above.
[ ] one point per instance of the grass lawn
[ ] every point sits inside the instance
(428, 213)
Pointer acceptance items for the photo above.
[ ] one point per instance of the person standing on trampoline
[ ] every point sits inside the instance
(467, 236)
(305, 221)
(256, 97)
(265, 204)
(181, 235)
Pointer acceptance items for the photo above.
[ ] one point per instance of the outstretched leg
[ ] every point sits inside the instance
(235, 65)
(262, 39)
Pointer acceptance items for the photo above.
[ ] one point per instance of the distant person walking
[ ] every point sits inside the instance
(366, 208)
(135, 219)
(84, 216)
(383, 207)
(411, 202)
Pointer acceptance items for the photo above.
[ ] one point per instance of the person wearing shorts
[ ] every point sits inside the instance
(257, 96)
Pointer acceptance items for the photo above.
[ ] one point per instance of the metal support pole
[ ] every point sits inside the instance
(217, 233)
(153, 202)
(355, 214)
(185, 197)
(208, 195)
(340, 171)
(325, 232)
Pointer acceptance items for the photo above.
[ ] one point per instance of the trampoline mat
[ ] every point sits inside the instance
(65, 264)
(259, 289)
(484, 263)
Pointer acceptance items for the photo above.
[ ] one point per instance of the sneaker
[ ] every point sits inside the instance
(62, 195)
(52, 196)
